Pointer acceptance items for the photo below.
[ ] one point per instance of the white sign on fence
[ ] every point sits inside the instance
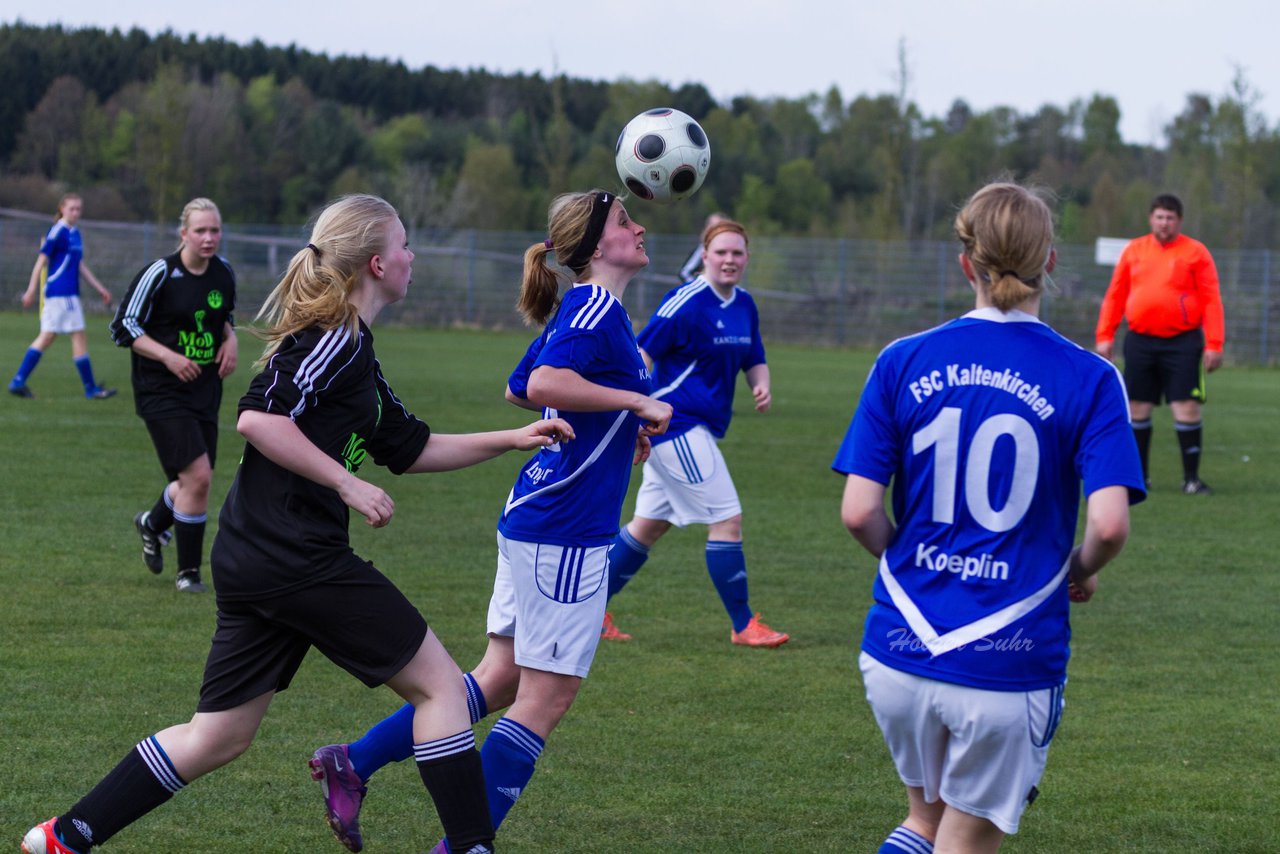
(1107, 250)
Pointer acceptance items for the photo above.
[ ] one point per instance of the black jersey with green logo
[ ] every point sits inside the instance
(278, 530)
(186, 313)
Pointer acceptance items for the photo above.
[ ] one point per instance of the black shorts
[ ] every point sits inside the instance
(360, 621)
(181, 441)
(1171, 368)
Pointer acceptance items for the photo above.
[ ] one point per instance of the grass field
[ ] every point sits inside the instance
(678, 741)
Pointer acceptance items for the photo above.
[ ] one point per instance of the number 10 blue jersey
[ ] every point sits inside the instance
(986, 427)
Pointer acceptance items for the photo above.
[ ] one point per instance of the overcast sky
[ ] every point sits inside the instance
(1020, 53)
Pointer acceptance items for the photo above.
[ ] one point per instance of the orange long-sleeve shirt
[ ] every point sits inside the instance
(1164, 289)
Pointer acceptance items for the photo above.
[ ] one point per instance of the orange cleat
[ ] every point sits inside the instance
(43, 839)
(757, 633)
(608, 631)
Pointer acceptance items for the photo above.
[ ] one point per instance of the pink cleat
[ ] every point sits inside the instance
(344, 793)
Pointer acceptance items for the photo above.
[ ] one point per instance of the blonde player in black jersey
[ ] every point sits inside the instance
(178, 320)
(285, 574)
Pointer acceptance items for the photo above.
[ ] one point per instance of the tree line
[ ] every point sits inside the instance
(138, 124)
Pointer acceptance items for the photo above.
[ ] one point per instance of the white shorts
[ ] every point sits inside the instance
(61, 315)
(551, 600)
(980, 751)
(686, 482)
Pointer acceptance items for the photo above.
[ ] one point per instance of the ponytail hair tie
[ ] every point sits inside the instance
(314, 249)
(547, 243)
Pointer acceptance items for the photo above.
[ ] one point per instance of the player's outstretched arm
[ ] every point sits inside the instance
(280, 440)
(449, 451)
(862, 511)
(522, 402)
(565, 389)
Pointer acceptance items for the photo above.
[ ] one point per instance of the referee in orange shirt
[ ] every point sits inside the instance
(1166, 286)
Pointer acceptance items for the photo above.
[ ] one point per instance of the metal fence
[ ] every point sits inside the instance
(849, 293)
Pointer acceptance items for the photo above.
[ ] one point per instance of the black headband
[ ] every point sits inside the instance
(600, 204)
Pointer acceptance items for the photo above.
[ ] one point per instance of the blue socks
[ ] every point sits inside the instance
(29, 362)
(476, 705)
(904, 841)
(728, 569)
(85, 368)
(626, 556)
(32, 358)
(725, 564)
(391, 739)
(509, 755)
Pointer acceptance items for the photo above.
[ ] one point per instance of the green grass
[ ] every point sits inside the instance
(678, 741)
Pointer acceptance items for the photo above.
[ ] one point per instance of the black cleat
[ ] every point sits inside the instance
(151, 543)
(21, 391)
(189, 581)
(1196, 486)
(101, 393)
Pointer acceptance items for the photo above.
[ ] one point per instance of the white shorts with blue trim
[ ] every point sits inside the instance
(550, 599)
(980, 751)
(686, 482)
(61, 315)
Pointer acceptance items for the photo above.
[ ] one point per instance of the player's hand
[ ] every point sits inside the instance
(28, 297)
(763, 398)
(1106, 349)
(1212, 360)
(643, 448)
(106, 298)
(1083, 591)
(182, 367)
(539, 434)
(368, 500)
(655, 414)
(227, 356)
(1079, 590)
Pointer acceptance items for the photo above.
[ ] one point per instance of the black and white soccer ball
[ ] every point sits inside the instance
(663, 155)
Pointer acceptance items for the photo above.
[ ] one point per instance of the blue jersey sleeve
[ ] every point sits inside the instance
(518, 382)
(1107, 455)
(755, 355)
(55, 242)
(871, 446)
(660, 336)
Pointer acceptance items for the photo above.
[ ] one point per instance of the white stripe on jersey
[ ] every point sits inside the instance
(675, 384)
(148, 283)
(594, 309)
(683, 295)
(158, 764)
(316, 363)
(938, 644)
(595, 455)
(66, 259)
(378, 367)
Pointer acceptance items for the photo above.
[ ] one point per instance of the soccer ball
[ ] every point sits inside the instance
(663, 155)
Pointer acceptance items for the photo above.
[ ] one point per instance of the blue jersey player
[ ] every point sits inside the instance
(560, 517)
(703, 335)
(986, 427)
(60, 264)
